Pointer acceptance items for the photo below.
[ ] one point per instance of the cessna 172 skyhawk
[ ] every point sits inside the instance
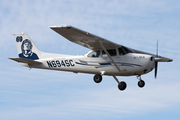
(105, 57)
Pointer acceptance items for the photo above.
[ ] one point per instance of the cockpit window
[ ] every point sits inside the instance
(112, 52)
(94, 54)
(121, 51)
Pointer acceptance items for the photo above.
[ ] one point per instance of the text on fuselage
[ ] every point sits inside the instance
(60, 63)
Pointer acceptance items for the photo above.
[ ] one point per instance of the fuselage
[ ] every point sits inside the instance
(129, 64)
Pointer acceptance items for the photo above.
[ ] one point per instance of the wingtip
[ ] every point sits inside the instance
(170, 60)
(60, 26)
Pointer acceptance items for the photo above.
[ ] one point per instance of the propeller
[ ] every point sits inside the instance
(156, 66)
(156, 62)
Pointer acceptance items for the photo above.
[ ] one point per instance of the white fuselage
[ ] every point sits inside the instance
(129, 64)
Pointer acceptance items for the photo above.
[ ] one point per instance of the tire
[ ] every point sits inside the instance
(141, 83)
(122, 85)
(97, 78)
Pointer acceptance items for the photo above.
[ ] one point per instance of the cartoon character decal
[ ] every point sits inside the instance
(26, 49)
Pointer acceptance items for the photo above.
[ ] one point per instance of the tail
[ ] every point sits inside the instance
(26, 48)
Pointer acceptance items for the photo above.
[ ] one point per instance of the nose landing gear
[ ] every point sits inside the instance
(141, 83)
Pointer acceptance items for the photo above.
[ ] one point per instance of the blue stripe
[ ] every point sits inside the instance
(105, 63)
(84, 64)
(102, 64)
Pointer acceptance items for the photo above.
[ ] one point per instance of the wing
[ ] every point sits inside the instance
(93, 42)
(83, 38)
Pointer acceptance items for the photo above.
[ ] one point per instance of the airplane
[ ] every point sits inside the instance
(104, 58)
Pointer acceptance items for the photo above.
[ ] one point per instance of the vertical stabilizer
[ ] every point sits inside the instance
(26, 48)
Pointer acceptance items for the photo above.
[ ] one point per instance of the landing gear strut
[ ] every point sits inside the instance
(141, 83)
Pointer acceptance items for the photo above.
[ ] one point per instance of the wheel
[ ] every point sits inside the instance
(141, 83)
(122, 85)
(97, 78)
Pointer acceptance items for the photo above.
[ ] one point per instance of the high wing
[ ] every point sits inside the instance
(83, 38)
(91, 41)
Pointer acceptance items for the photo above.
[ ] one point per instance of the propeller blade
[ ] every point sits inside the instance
(156, 63)
(156, 66)
(157, 49)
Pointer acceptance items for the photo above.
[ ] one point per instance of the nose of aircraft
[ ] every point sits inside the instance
(144, 63)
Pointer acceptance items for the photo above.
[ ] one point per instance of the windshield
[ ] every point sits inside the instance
(94, 54)
(124, 50)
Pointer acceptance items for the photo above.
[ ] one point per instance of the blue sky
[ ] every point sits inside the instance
(42, 94)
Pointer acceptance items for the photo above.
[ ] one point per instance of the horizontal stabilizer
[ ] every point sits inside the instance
(22, 60)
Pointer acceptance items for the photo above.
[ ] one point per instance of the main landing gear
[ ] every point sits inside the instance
(121, 85)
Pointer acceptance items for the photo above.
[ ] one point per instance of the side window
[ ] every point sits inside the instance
(104, 54)
(121, 51)
(111, 52)
(94, 54)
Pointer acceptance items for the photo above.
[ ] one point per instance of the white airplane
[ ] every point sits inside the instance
(105, 57)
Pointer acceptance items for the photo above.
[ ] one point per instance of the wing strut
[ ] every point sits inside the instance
(109, 56)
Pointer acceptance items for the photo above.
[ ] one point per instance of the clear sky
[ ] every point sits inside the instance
(43, 95)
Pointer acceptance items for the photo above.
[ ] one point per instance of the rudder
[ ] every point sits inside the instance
(26, 48)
